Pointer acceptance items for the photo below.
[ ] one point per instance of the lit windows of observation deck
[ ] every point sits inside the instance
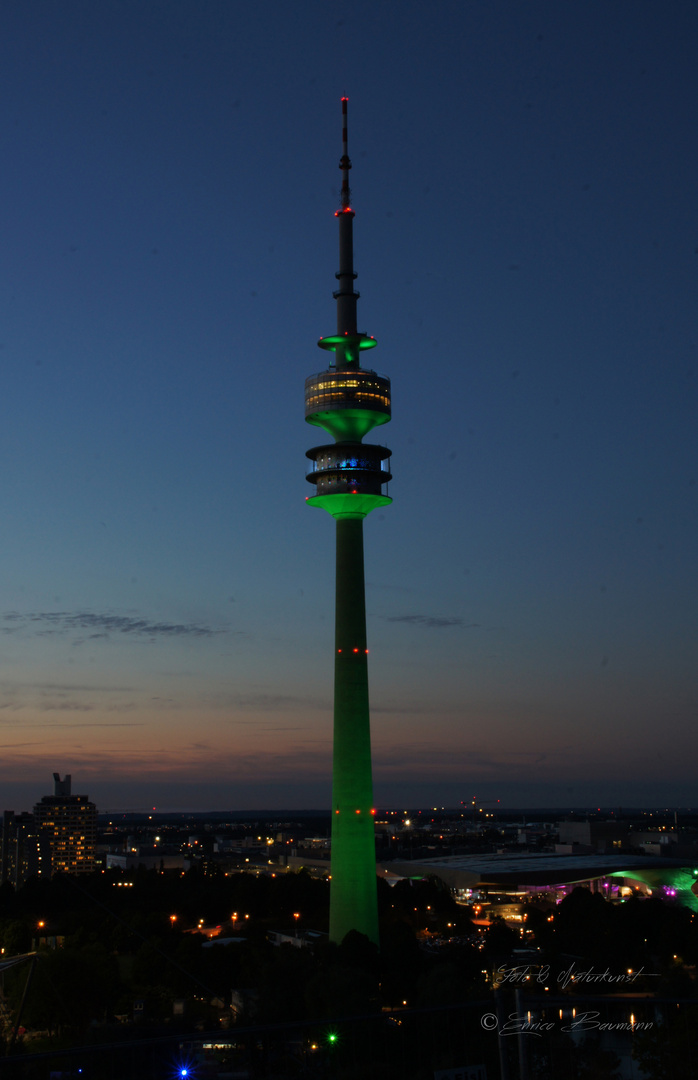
(349, 468)
(349, 389)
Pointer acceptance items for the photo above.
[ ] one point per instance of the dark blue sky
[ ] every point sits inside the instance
(525, 187)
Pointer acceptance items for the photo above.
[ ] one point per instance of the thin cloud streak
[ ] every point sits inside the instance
(432, 622)
(104, 625)
(65, 688)
(400, 710)
(176, 764)
(268, 702)
(91, 724)
(64, 706)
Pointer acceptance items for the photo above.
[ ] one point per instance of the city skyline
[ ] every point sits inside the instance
(526, 246)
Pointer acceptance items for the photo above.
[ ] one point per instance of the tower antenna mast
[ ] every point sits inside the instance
(345, 295)
(345, 162)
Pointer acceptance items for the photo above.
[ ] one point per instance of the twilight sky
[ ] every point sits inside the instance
(527, 248)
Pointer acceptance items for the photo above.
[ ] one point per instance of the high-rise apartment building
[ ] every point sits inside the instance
(24, 850)
(69, 825)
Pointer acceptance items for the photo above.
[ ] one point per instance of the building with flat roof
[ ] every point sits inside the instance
(533, 874)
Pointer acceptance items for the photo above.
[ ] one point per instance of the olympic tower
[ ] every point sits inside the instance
(349, 477)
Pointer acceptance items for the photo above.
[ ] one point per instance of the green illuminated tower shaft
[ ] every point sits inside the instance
(348, 401)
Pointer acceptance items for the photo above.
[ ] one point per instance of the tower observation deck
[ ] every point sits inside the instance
(350, 478)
